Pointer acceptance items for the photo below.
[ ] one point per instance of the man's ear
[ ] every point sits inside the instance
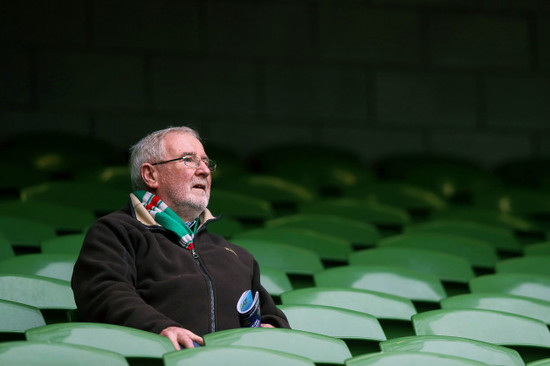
(149, 174)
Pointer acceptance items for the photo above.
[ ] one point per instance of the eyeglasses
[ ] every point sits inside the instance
(192, 161)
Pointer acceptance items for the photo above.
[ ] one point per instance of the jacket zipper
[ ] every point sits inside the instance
(210, 290)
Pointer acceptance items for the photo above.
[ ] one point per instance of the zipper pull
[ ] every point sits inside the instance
(195, 254)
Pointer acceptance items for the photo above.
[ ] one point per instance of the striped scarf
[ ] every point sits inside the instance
(167, 218)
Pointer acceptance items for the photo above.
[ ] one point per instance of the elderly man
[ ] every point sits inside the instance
(153, 265)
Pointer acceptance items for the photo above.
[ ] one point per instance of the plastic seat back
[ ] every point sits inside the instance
(328, 247)
(353, 231)
(59, 266)
(37, 291)
(542, 248)
(129, 342)
(455, 346)
(380, 305)
(22, 232)
(288, 258)
(65, 244)
(410, 359)
(519, 305)
(56, 354)
(476, 252)
(16, 318)
(275, 281)
(6, 250)
(446, 267)
(390, 280)
(520, 284)
(484, 325)
(334, 322)
(539, 264)
(240, 206)
(316, 347)
(233, 355)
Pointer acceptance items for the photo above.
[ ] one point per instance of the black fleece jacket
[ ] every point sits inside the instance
(135, 274)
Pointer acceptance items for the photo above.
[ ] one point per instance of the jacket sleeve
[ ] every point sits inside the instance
(268, 310)
(104, 280)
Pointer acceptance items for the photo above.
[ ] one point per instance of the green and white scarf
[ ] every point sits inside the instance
(168, 218)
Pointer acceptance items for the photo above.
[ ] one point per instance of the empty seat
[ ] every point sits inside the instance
(520, 284)
(455, 346)
(539, 264)
(16, 318)
(316, 347)
(333, 321)
(501, 239)
(541, 362)
(380, 305)
(393, 312)
(63, 218)
(246, 209)
(233, 355)
(390, 280)
(56, 354)
(542, 248)
(22, 232)
(275, 281)
(329, 248)
(518, 305)
(227, 227)
(484, 325)
(41, 292)
(354, 231)
(288, 258)
(6, 250)
(130, 342)
(410, 358)
(64, 244)
(58, 266)
(446, 267)
(383, 216)
(476, 252)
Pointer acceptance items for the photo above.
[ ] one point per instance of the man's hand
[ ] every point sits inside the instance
(266, 325)
(181, 337)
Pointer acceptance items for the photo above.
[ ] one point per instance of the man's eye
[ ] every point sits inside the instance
(188, 159)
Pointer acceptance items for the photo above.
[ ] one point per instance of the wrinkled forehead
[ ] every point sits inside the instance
(181, 143)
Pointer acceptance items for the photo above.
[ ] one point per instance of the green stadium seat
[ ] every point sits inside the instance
(53, 297)
(542, 248)
(417, 201)
(541, 362)
(503, 240)
(361, 331)
(58, 266)
(390, 280)
(484, 325)
(519, 305)
(16, 318)
(56, 354)
(487, 353)
(410, 359)
(446, 267)
(88, 196)
(275, 281)
(521, 201)
(115, 176)
(354, 231)
(485, 216)
(134, 344)
(250, 211)
(288, 258)
(6, 250)
(393, 312)
(316, 347)
(520, 284)
(64, 219)
(329, 248)
(382, 216)
(233, 355)
(539, 264)
(24, 233)
(64, 244)
(477, 253)
(227, 227)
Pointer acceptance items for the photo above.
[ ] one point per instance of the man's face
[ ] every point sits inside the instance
(184, 189)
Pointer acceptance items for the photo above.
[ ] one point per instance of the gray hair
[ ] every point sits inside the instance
(151, 149)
